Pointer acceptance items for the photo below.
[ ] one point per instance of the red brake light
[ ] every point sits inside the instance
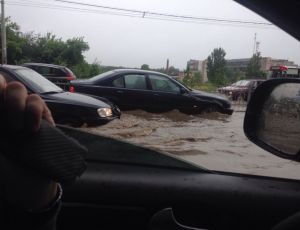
(72, 89)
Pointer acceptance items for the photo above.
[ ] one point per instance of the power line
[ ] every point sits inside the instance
(142, 14)
(166, 15)
(47, 6)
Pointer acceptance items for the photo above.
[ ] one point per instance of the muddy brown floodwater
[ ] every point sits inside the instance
(214, 141)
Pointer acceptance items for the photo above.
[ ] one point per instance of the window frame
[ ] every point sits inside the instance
(151, 88)
(143, 74)
(116, 78)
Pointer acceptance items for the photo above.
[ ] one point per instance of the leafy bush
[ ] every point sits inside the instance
(208, 87)
(85, 70)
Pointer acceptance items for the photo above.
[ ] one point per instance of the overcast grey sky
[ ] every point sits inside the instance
(127, 41)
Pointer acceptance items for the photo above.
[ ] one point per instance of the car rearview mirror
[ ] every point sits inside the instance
(272, 119)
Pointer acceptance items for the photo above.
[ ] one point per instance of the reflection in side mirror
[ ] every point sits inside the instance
(279, 123)
(272, 119)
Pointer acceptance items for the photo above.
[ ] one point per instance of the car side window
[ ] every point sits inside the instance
(43, 70)
(58, 73)
(50, 72)
(160, 83)
(135, 81)
(119, 82)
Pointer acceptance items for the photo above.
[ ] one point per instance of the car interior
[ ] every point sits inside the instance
(131, 187)
(127, 186)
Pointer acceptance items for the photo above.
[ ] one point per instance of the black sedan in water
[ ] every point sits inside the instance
(67, 108)
(151, 91)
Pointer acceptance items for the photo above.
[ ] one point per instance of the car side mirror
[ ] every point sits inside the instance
(272, 119)
(183, 90)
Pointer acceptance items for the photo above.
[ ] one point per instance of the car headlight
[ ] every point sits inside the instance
(105, 112)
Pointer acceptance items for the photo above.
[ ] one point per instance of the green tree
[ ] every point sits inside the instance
(172, 71)
(73, 52)
(254, 67)
(45, 49)
(145, 67)
(234, 75)
(85, 70)
(197, 78)
(30, 47)
(48, 48)
(15, 41)
(216, 67)
(192, 79)
(187, 79)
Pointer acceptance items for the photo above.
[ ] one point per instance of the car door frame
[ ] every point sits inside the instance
(166, 100)
(132, 98)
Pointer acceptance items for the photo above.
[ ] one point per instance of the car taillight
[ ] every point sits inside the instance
(72, 89)
(70, 77)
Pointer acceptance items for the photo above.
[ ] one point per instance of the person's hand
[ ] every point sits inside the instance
(21, 186)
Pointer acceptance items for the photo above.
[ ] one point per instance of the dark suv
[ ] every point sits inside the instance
(59, 75)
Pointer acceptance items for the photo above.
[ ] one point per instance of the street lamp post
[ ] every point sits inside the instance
(3, 35)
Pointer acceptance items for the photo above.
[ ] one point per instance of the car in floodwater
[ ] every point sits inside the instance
(67, 108)
(240, 90)
(150, 91)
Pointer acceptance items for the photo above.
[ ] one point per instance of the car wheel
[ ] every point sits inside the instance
(240, 98)
(188, 111)
(211, 109)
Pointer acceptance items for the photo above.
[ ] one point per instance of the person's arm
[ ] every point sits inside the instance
(35, 219)
(28, 200)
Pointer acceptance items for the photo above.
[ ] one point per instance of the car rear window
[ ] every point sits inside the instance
(50, 71)
(58, 73)
(43, 70)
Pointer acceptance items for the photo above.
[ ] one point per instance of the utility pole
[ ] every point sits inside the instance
(3, 35)
(254, 47)
(257, 47)
(167, 66)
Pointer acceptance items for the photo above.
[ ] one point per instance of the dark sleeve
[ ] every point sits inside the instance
(34, 220)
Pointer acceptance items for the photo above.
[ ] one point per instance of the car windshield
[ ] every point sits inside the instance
(242, 83)
(37, 82)
(205, 45)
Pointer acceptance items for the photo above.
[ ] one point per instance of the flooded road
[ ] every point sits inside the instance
(214, 141)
